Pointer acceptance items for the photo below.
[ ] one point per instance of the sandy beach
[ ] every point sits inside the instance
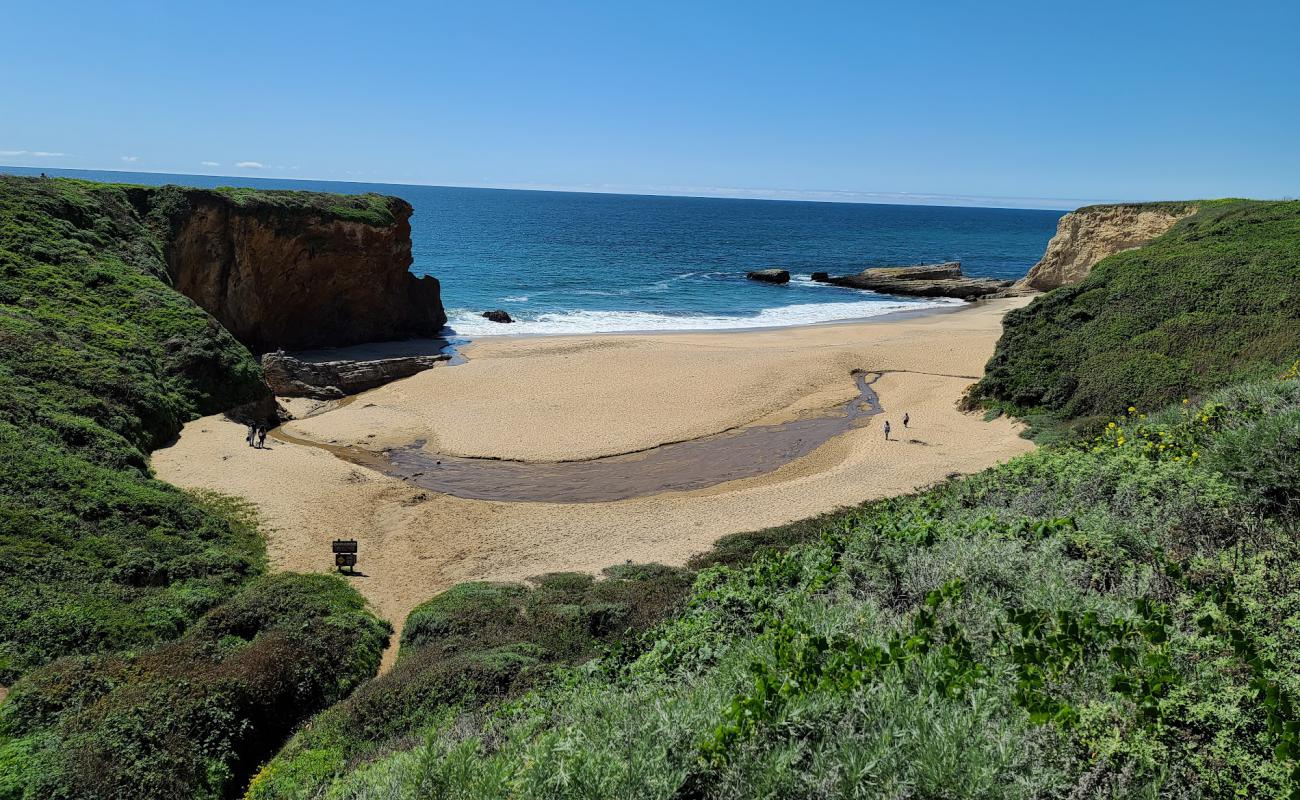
(551, 399)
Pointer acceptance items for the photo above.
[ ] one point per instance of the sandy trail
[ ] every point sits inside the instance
(577, 397)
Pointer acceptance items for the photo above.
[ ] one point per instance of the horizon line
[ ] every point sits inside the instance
(840, 196)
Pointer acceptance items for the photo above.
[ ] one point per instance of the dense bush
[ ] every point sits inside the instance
(189, 718)
(1216, 299)
(100, 361)
(1113, 618)
(470, 645)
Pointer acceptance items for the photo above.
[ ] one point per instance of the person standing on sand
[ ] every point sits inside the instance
(886, 430)
(252, 431)
(906, 419)
(261, 437)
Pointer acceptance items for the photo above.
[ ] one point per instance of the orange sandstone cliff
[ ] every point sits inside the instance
(298, 270)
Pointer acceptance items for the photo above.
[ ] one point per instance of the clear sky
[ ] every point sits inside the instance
(1053, 103)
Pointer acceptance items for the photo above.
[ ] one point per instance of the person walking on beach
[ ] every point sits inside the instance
(906, 419)
(261, 437)
(252, 431)
(886, 430)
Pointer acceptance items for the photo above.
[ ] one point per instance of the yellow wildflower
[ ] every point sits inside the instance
(1111, 425)
(1132, 410)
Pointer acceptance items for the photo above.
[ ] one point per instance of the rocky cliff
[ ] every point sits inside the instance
(297, 269)
(1088, 235)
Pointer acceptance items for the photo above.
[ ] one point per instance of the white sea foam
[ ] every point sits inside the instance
(466, 322)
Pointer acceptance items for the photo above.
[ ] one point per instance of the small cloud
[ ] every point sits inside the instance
(210, 163)
(129, 159)
(34, 153)
(250, 164)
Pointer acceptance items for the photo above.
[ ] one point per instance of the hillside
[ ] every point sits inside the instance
(101, 362)
(154, 662)
(1215, 299)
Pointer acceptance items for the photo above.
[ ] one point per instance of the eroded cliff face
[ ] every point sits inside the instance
(1088, 235)
(294, 275)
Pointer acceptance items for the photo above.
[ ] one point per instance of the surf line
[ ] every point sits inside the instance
(678, 466)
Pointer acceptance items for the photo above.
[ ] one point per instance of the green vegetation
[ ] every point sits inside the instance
(1116, 618)
(1216, 299)
(151, 660)
(369, 208)
(193, 717)
(471, 645)
(100, 361)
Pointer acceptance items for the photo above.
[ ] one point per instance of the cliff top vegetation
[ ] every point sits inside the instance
(1215, 299)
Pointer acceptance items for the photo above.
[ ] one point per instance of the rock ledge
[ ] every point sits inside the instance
(329, 380)
(924, 280)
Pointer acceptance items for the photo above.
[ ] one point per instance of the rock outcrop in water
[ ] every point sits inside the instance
(497, 316)
(290, 376)
(298, 270)
(924, 280)
(769, 275)
(1088, 235)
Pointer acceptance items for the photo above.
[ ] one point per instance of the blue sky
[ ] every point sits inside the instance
(1040, 102)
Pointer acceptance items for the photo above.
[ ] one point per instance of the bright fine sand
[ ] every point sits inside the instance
(567, 398)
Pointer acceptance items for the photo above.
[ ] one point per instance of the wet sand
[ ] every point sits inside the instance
(744, 452)
(554, 399)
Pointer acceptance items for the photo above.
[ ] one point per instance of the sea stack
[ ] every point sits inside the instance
(769, 275)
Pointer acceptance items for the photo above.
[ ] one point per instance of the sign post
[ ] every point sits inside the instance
(345, 554)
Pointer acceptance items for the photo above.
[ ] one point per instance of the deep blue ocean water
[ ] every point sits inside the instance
(571, 263)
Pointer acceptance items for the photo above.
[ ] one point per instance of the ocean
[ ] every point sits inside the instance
(562, 262)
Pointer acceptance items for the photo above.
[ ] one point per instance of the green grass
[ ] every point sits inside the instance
(1106, 618)
(368, 208)
(1215, 299)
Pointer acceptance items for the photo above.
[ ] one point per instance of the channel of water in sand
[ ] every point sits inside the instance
(678, 466)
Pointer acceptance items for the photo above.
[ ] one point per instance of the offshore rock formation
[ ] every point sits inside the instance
(329, 380)
(1088, 235)
(769, 275)
(924, 280)
(497, 316)
(297, 269)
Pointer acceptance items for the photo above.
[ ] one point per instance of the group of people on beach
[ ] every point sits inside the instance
(256, 436)
(906, 419)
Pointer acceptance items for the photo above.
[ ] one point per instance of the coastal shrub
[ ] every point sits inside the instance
(1213, 301)
(101, 361)
(1113, 617)
(472, 645)
(190, 718)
